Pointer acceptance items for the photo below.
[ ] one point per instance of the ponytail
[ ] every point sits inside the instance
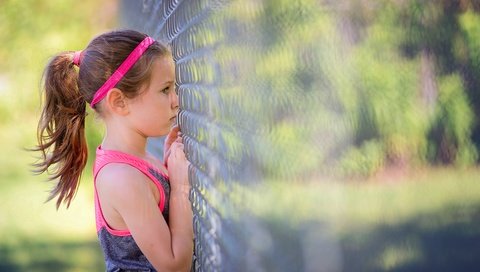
(61, 129)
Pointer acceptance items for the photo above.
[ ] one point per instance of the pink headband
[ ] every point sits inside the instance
(122, 70)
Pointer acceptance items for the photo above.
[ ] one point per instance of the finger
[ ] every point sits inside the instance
(166, 155)
(177, 150)
(174, 147)
(181, 147)
(172, 135)
(178, 145)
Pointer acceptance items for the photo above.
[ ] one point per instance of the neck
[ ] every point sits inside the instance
(127, 141)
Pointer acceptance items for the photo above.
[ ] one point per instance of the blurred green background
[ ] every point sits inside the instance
(33, 235)
(408, 195)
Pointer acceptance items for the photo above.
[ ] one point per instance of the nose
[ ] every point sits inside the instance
(174, 100)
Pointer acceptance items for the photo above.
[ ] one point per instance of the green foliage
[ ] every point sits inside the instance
(356, 89)
(470, 25)
(388, 88)
(453, 124)
(363, 161)
(389, 108)
(30, 33)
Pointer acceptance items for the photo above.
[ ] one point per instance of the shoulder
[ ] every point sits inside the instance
(120, 182)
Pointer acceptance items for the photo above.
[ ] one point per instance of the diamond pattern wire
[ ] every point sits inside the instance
(240, 97)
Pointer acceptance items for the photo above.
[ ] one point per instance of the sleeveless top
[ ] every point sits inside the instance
(120, 250)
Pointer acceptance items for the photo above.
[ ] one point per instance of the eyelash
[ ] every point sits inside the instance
(168, 89)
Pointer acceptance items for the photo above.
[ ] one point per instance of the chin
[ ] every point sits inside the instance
(163, 132)
(160, 134)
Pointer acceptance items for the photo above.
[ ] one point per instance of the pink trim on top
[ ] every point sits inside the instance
(105, 157)
(122, 70)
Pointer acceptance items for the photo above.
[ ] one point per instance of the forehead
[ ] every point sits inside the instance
(163, 70)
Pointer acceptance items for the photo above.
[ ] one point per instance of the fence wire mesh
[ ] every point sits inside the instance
(250, 85)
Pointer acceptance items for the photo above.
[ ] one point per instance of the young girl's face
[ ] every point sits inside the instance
(154, 111)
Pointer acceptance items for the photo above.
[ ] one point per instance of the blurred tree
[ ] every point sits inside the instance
(397, 75)
(442, 33)
(30, 33)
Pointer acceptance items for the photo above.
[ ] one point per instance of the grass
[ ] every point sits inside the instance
(36, 237)
(370, 202)
(426, 221)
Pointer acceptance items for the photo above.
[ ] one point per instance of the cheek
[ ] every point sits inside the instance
(154, 124)
(159, 117)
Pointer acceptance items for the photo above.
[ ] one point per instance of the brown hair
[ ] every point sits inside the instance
(61, 129)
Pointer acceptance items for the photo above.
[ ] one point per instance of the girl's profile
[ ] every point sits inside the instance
(143, 214)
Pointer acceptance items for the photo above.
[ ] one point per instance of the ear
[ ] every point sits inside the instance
(116, 102)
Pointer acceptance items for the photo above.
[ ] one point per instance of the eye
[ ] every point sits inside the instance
(166, 90)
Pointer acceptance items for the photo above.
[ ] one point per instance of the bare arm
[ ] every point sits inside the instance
(167, 247)
(180, 216)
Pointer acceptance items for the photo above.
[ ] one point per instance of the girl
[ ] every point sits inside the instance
(143, 215)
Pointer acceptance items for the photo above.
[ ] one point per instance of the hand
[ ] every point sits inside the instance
(178, 167)
(171, 138)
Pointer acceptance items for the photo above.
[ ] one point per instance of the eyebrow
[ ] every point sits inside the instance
(168, 82)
